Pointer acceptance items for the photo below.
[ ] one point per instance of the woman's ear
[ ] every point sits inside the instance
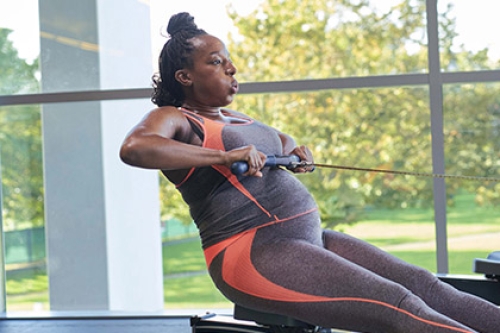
(183, 77)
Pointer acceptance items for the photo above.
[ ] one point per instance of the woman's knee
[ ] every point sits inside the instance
(421, 281)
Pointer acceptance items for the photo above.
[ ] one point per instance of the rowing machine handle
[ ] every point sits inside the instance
(239, 168)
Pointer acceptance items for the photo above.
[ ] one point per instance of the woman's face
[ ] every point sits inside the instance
(210, 81)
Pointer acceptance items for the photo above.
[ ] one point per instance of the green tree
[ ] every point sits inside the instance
(172, 205)
(20, 142)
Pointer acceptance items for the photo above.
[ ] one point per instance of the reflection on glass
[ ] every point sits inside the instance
(65, 44)
(472, 132)
(468, 35)
(23, 213)
(89, 45)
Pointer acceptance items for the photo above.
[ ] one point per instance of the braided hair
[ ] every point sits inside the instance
(175, 55)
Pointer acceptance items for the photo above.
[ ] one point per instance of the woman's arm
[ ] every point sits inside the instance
(290, 148)
(159, 142)
(287, 142)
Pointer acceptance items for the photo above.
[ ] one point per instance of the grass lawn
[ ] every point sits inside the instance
(196, 291)
(183, 256)
(27, 289)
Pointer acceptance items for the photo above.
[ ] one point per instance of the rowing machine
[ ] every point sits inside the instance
(487, 286)
(490, 266)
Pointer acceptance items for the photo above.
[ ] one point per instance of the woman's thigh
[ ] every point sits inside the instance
(307, 281)
(420, 281)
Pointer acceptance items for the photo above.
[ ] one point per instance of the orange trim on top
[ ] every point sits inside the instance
(213, 135)
(185, 178)
(213, 139)
(236, 183)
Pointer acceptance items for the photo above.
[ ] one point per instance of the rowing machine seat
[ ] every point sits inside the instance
(276, 322)
(246, 320)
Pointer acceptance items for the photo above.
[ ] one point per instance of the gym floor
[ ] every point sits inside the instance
(112, 324)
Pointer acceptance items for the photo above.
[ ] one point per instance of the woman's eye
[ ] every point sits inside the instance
(217, 62)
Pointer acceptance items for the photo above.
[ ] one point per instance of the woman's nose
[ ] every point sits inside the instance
(231, 69)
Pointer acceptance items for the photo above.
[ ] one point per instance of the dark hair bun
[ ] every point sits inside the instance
(181, 22)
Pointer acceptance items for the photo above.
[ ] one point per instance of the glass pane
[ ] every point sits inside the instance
(70, 132)
(68, 47)
(23, 208)
(385, 129)
(273, 40)
(468, 35)
(19, 47)
(472, 120)
(91, 45)
(323, 40)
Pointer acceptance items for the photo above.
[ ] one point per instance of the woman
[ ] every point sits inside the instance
(261, 231)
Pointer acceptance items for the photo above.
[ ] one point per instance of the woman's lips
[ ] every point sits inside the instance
(234, 87)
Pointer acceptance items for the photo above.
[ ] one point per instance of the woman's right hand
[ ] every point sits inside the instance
(249, 154)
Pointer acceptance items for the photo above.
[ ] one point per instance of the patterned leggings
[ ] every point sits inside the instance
(330, 279)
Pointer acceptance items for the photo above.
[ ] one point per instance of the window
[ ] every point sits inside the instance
(352, 82)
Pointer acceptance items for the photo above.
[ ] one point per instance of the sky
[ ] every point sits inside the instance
(477, 22)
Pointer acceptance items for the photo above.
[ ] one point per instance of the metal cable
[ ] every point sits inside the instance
(396, 172)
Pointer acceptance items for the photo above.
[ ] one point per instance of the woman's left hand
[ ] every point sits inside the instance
(305, 155)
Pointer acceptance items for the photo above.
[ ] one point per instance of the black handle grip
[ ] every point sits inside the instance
(239, 168)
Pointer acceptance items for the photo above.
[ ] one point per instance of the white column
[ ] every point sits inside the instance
(102, 217)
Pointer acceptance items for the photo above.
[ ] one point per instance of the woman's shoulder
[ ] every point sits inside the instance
(166, 110)
(164, 116)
